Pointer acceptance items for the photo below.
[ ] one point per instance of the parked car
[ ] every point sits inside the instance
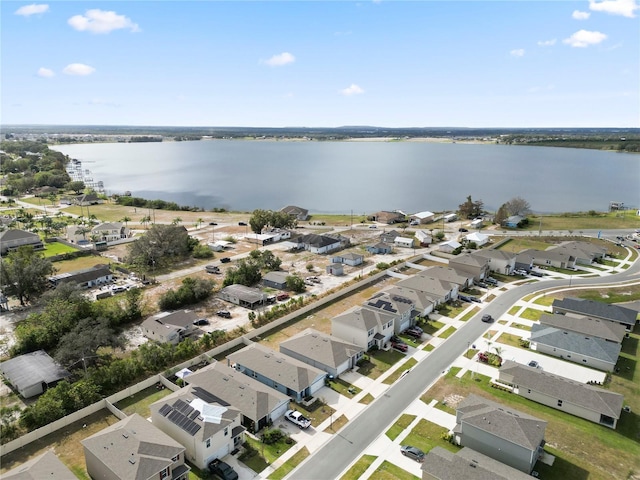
(225, 260)
(491, 281)
(414, 332)
(519, 271)
(535, 273)
(297, 418)
(412, 452)
(463, 230)
(483, 285)
(373, 226)
(395, 338)
(223, 470)
(223, 313)
(483, 357)
(464, 298)
(487, 318)
(118, 288)
(242, 224)
(212, 269)
(282, 296)
(201, 321)
(533, 364)
(213, 223)
(474, 299)
(400, 346)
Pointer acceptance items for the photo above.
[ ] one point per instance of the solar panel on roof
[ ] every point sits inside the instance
(165, 409)
(195, 414)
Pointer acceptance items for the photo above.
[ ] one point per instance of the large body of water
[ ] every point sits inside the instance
(362, 177)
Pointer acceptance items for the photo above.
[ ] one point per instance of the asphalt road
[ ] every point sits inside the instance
(345, 447)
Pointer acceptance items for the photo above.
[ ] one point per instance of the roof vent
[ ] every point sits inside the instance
(132, 461)
(472, 465)
(125, 435)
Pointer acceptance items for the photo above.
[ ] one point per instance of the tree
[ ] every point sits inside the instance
(84, 340)
(159, 246)
(518, 206)
(470, 208)
(295, 283)
(246, 272)
(125, 220)
(25, 272)
(176, 221)
(145, 220)
(77, 186)
(268, 218)
(502, 214)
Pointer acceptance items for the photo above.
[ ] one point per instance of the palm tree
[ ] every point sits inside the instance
(199, 222)
(125, 220)
(145, 220)
(176, 221)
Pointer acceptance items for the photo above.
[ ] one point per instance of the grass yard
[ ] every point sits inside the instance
(521, 326)
(57, 248)
(469, 314)
(432, 327)
(602, 452)
(344, 388)
(259, 455)
(545, 300)
(290, 464)
(358, 468)
(79, 263)
(574, 222)
(517, 244)
(452, 311)
(400, 371)
(428, 347)
(337, 424)
(389, 471)
(367, 399)
(514, 310)
(139, 402)
(317, 412)
(378, 361)
(508, 339)
(627, 293)
(532, 314)
(397, 428)
(426, 435)
(448, 332)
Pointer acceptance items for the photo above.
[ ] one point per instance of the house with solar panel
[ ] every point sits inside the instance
(394, 304)
(208, 427)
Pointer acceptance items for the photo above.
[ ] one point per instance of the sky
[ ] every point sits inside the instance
(509, 64)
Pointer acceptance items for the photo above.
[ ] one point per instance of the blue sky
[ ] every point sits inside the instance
(322, 63)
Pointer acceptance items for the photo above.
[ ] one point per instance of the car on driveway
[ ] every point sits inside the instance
(533, 364)
(225, 260)
(487, 318)
(412, 452)
(535, 273)
(223, 313)
(414, 332)
(223, 470)
(463, 230)
(201, 321)
(297, 418)
(400, 346)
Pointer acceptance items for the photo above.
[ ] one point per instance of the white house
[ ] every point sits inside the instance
(479, 239)
(499, 260)
(449, 246)
(422, 217)
(423, 238)
(364, 327)
(407, 242)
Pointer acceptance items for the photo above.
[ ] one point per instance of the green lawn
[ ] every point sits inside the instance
(521, 326)
(432, 327)
(514, 310)
(448, 332)
(389, 471)
(344, 388)
(397, 428)
(532, 314)
(400, 371)
(508, 339)
(357, 469)
(57, 248)
(290, 464)
(79, 263)
(259, 455)
(469, 314)
(428, 347)
(544, 301)
(377, 362)
(426, 435)
(317, 412)
(367, 399)
(139, 402)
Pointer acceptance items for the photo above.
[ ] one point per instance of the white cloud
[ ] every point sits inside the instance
(32, 9)
(78, 69)
(547, 43)
(626, 8)
(519, 52)
(578, 15)
(101, 21)
(280, 60)
(352, 89)
(584, 38)
(45, 72)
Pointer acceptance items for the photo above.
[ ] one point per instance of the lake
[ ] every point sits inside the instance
(362, 177)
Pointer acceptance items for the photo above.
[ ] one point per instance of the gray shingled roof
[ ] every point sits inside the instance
(82, 276)
(467, 464)
(421, 300)
(390, 303)
(527, 256)
(447, 273)
(31, 368)
(318, 241)
(569, 391)
(605, 329)
(428, 284)
(494, 254)
(364, 318)
(578, 343)
(277, 277)
(280, 368)
(133, 448)
(591, 308)
(468, 259)
(254, 399)
(502, 421)
(46, 465)
(322, 348)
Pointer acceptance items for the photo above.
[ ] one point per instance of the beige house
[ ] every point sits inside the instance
(134, 448)
(401, 307)
(499, 260)
(110, 232)
(208, 429)
(423, 303)
(364, 327)
(440, 290)
(476, 266)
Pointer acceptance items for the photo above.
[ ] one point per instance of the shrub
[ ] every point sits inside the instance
(272, 436)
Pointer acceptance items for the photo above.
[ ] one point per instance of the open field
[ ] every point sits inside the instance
(57, 248)
(80, 263)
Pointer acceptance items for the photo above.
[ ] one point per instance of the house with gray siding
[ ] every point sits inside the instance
(591, 308)
(348, 258)
(499, 260)
(401, 307)
(276, 279)
(364, 327)
(328, 353)
(466, 464)
(575, 347)
(476, 266)
(285, 374)
(380, 248)
(14, 238)
(462, 279)
(32, 373)
(545, 258)
(594, 327)
(585, 253)
(298, 213)
(500, 432)
(242, 295)
(170, 327)
(134, 448)
(580, 399)
(86, 278)
(435, 287)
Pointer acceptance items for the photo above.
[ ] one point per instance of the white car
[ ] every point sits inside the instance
(297, 418)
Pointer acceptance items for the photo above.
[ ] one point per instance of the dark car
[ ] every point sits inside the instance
(213, 223)
(491, 281)
(414, 332)
(535, 273)
(201, 321)
(412, 452)
(242, 224)
(223, 470)
(474, 299)
(487, 318)
(400, 346)
(223, 313)
(225, 260)
(282, 296)
(463, 230)
(464, 298)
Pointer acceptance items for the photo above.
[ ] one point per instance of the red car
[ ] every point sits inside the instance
(400, 346)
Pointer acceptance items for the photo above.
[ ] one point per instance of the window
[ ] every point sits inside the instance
(559, 403)
(390, 324)
(226, 431)
(370, 333)
(208, 443)
(528, 390)
(176, 458)
(164, 473)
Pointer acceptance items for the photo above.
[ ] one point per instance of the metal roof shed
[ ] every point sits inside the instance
(32, 373)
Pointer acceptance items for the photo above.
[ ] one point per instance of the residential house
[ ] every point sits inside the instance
(47, 465)
(464, 280)
(449, 246)
(476, 266)
(500, 261)
(319, 243)
(580, 399)
(513, 221)
(422, 217)
(364, 327)
(593, 309)
(594, 327)
(335, 269)
(259, 404)
(424, 239)
(14, 238)
(242, 295)
(585, 253)
(401, 307)
(285, 374)
(439, 290)
(423, 303)
(389, 237)
(545, 258)
(388, 217)
(330, 354)
(450, 217)
(86, 278)
(268, 237)
(477, 223)
(504, 434)
(348, 258)
(134, 448)
(298, 212)
(275, 279)
(88, 199)
(575, 347)
(110, 232)
(32, 373)
(478, 238)
(405, 242)
(466, 464)
(207, 428)
(170, 327)
(380, 248)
